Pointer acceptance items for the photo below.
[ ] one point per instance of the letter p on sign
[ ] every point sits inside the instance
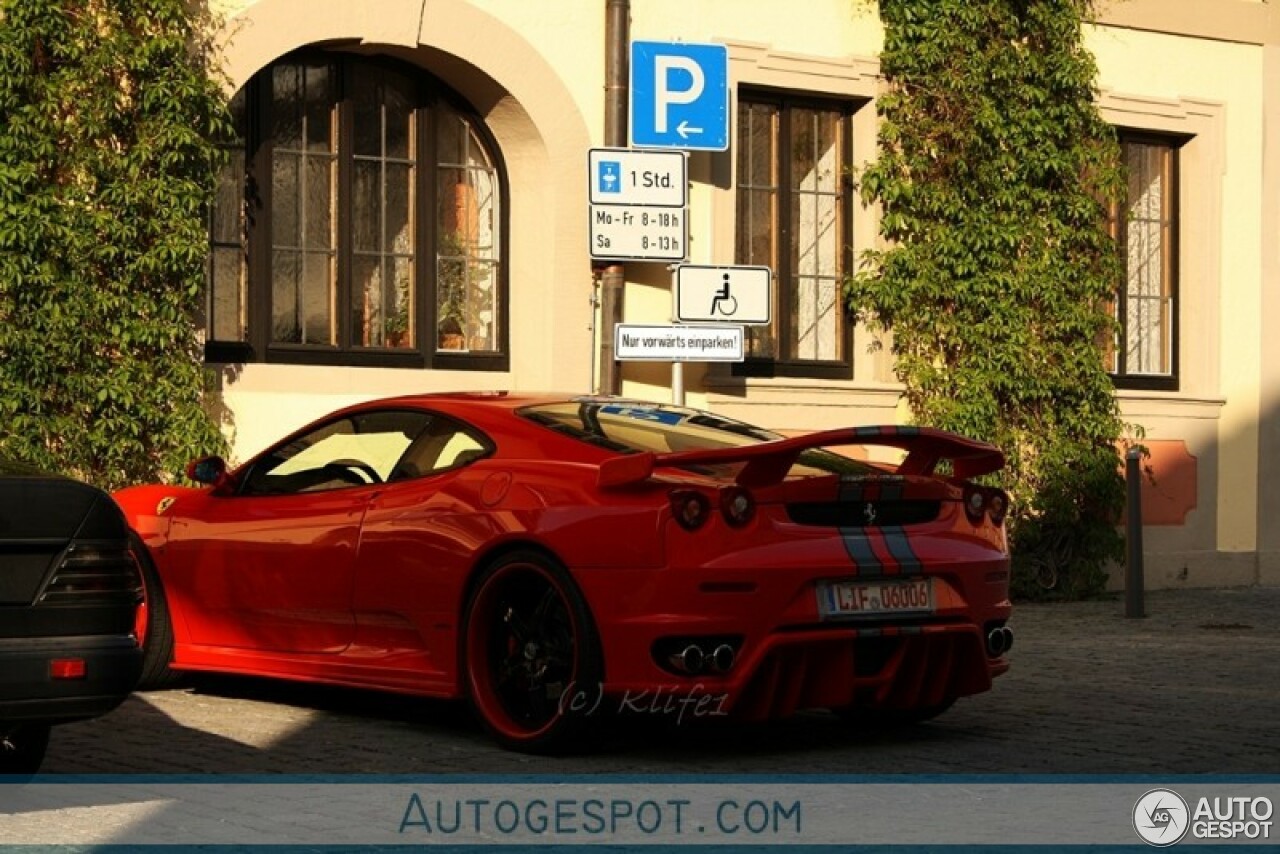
(679, 95)
(666, 94)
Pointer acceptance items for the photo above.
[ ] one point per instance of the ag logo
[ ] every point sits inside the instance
(1161, 817)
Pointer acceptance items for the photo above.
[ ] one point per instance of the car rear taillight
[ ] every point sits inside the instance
(998, 506)
(980, 500)
(95, 571)
(737, 506)
(690, 508)
(974, 503)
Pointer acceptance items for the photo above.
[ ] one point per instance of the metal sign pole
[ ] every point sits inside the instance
(677, 367)
(1133, 568)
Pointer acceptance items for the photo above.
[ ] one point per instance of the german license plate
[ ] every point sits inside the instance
(861, 598)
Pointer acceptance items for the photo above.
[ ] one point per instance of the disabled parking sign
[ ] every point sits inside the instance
(680, 95)
(740, 295)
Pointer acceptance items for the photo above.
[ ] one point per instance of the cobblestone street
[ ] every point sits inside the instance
(1192, 688)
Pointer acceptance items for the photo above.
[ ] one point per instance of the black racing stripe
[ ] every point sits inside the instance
(900, 547)
(850, 492)
(858, 546)
(891, 492)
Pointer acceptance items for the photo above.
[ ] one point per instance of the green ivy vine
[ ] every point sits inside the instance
(106, 173)
(994, 172)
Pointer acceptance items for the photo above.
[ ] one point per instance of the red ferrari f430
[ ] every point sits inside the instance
(527, 552)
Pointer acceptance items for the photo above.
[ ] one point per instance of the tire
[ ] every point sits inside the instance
(22, 749)
(890, 718)
(530, 651)
(154, 625)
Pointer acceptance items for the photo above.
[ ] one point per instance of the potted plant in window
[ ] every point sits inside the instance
(397, 324)
(479, 327)
(453, 292)
(397, 327)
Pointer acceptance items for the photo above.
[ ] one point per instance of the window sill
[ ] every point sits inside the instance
(1140, 403)
(801, 391)
(768, 369)
(233, 353)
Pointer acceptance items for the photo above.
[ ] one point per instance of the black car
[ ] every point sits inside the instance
(69, 596)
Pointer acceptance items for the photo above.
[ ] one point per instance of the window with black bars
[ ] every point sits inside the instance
(1145, 225)
(794, 216)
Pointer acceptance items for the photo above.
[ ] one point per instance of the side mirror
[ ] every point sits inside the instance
(211, 471)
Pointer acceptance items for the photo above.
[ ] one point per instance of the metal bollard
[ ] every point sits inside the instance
(1133, 570)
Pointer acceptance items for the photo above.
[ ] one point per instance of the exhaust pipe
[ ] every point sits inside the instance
(1008, 638)
(690, 659)
(722, 659)
(998, 641)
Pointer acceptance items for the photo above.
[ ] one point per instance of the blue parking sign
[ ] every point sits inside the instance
(680, 95)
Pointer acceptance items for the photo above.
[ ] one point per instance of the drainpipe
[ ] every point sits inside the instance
(617, 38)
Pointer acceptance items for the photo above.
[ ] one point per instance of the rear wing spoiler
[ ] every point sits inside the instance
(769, 462)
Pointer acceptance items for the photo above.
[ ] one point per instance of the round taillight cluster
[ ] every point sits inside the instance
(737, 506)
(982, 500)
(691, 508)
(998, 506)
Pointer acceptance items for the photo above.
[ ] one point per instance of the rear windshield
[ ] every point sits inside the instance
(631, 427)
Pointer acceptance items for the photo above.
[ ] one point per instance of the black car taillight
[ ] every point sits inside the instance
(975, 503)
(94, 571)
(998, 506)
(980, 500)
(690, 508)
(737, 506)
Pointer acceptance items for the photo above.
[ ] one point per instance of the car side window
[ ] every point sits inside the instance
(352, 451)
(444, 445)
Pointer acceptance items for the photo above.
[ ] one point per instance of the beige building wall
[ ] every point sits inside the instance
(534, 69)
(1201, 68)
(1269, 397)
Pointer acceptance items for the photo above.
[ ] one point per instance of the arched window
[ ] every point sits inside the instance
(358, 221)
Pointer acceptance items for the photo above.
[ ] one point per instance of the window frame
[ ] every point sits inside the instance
(1172, 214)
(428, 94)
(785, 364)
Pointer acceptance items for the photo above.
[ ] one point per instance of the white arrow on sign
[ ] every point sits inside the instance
(684, 130)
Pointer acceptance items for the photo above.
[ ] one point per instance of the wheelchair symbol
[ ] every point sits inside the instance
(724, 302)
